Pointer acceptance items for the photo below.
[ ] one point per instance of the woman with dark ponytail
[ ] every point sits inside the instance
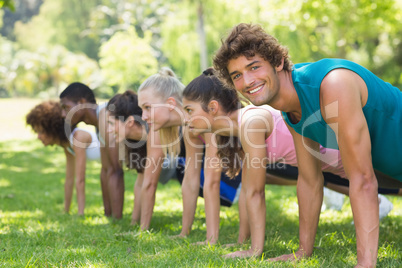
(265, 140)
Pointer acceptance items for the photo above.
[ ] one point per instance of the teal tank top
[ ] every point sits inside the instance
(383, 112)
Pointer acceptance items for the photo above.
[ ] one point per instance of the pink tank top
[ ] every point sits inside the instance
(281, 148)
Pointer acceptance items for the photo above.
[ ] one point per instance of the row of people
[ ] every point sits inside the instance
(125, 122)
(46, 119)
(213, 124)
(210, 108)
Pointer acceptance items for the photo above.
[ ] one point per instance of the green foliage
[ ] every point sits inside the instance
(62, 22)
(359, 30)
(1, 18)
(7, 51)
(180, 44)
(364, 31)
(112, 16)
(7, 3)
(44, 72)
(126, 60)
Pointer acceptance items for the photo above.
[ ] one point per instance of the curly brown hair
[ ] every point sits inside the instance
(249, 40)
(46, 117)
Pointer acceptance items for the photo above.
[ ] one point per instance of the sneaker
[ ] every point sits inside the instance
(332, 200)
(385, 206)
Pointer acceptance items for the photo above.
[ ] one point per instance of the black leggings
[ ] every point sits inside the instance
(290, 172)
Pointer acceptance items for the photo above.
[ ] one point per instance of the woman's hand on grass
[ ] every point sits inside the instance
(300, 254)
(205, 243)
(230, 245)
(181, 235)
(241, 254)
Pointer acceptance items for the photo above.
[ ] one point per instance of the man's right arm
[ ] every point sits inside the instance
(309, 194)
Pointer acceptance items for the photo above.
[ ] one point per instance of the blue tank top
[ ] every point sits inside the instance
(383, 112)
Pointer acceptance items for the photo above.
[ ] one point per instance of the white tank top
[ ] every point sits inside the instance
(92, 150)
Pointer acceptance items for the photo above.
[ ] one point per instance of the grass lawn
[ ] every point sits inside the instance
(34, 231)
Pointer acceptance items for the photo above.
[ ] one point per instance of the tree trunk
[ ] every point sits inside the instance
(202, 37)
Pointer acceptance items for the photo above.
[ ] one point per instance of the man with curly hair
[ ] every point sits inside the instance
(334, 103)
(79, 105)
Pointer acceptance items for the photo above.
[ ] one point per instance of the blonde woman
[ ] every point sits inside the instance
(160, 97)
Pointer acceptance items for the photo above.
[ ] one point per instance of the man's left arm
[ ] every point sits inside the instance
(343, 96)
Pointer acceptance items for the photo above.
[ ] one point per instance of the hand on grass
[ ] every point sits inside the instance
(290, 257)
(239, 242)
(204, 243)
(230, 245)
(360, 266)
(241, 254)
(178, 236)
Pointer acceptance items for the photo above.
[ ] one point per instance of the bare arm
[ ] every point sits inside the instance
(81, 139)
(310, 184)
(136, 215)
(69, 182)
(252, 136)
(104, 181)
(114, 181)
(151, 176)
(212, 178)
(191, 182)
(346, 118)
(244, 224)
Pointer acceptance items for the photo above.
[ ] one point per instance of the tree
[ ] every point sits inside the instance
(367, 32)
(185, 35)
(44, 72)
(7, 3)
(23, 11)
(60, 22)
(126, 60)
